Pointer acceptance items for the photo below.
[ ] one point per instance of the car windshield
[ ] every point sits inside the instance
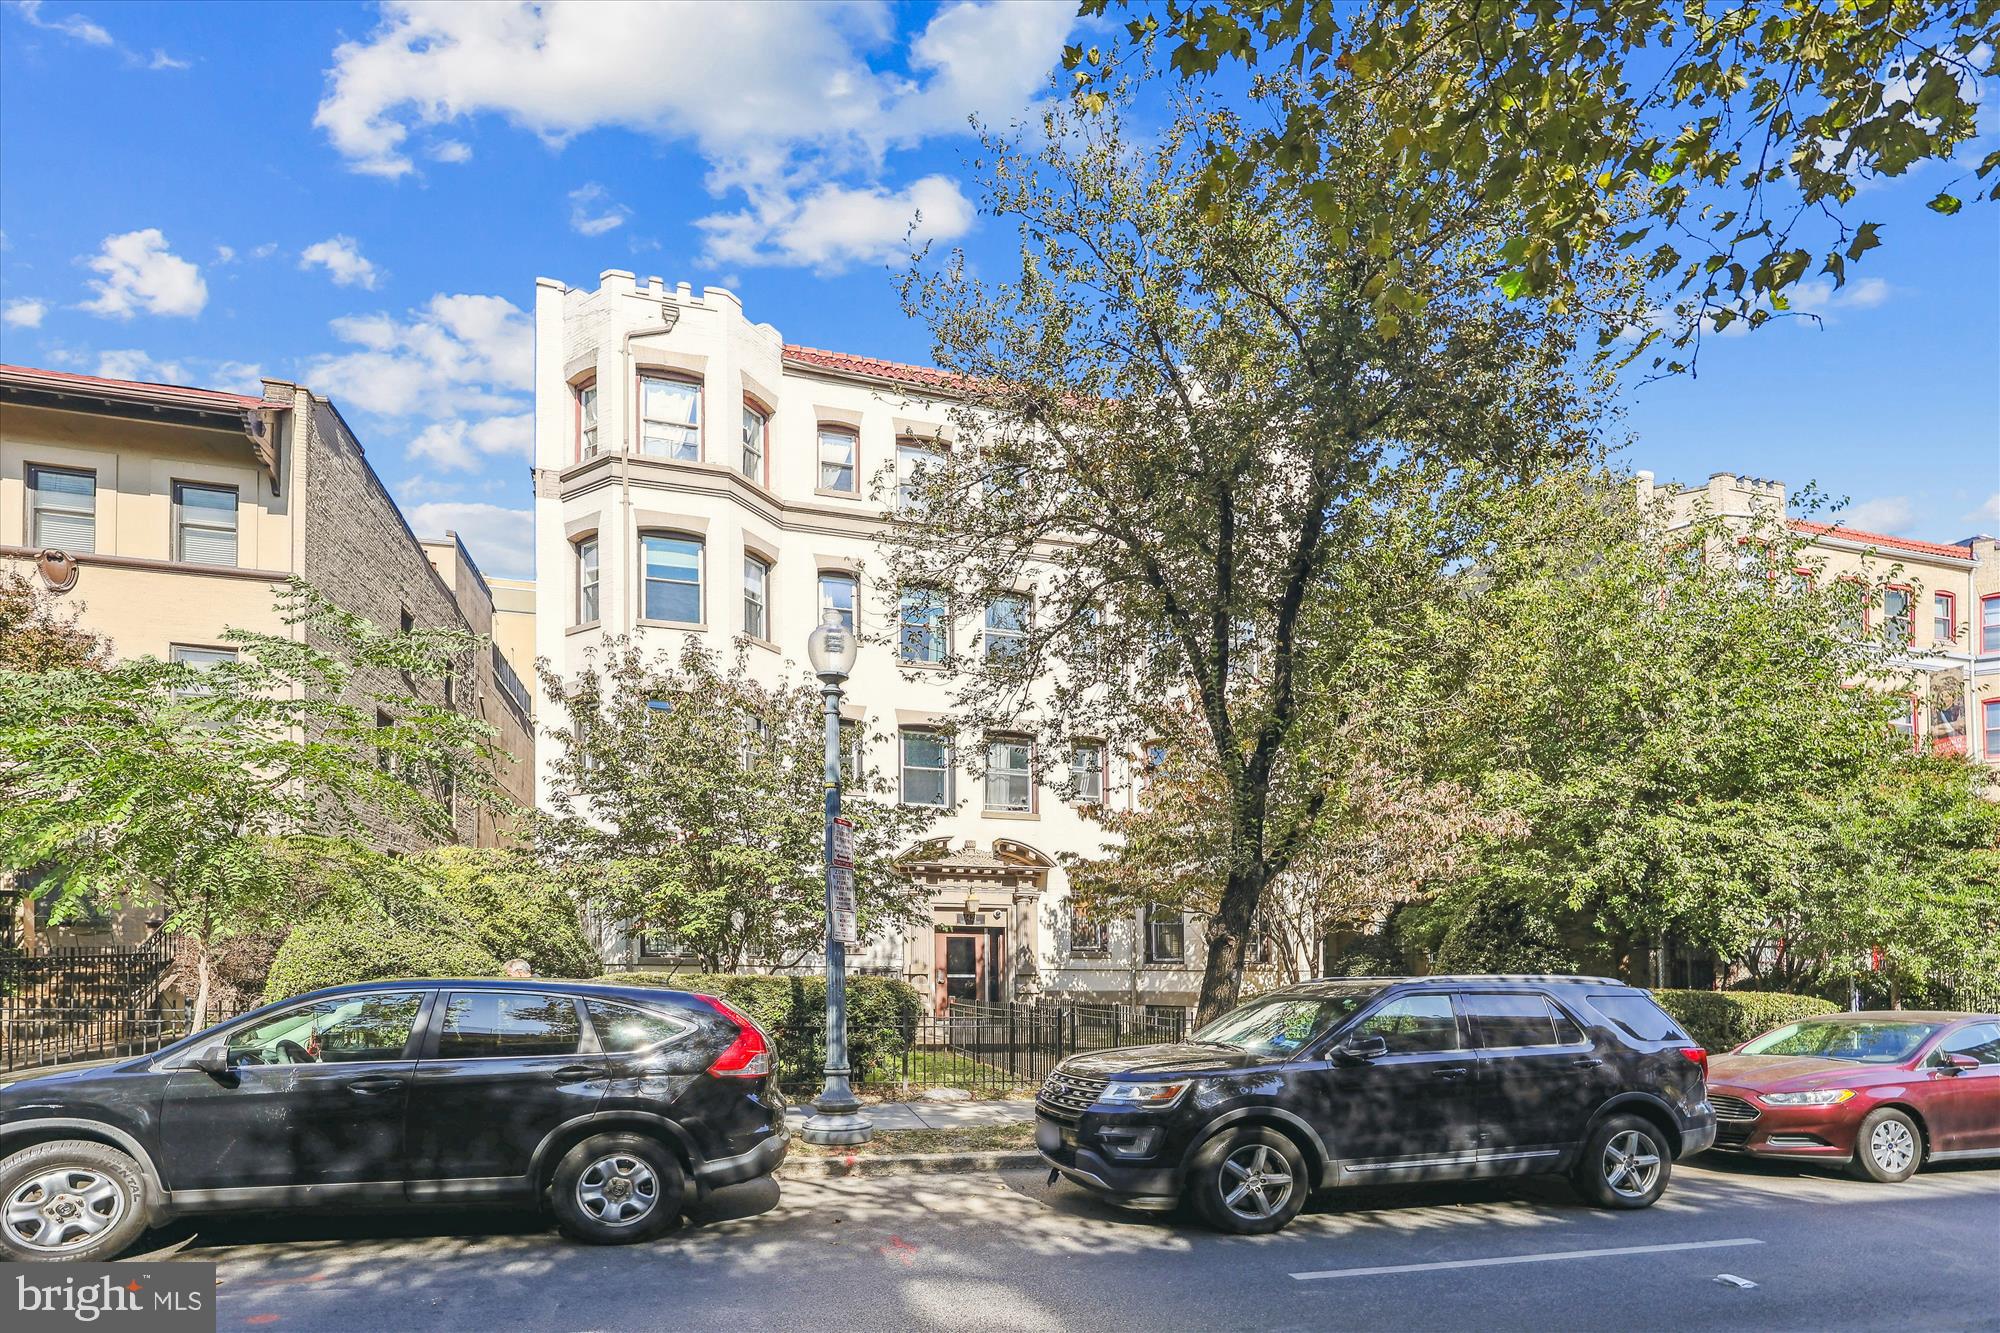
(1885, 1043)
(1284, 1023)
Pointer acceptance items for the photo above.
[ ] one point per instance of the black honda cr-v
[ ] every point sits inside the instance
(608, 1103)
(1370, 1080)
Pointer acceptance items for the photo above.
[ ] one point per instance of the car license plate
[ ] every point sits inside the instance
(1048, 1137)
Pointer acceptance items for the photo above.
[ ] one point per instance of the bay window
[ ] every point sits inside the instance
(670, 418)
(756, 597)
(756, 426)
(671, 568)
(588, 607)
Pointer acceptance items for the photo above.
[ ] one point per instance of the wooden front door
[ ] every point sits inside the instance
(961, 967)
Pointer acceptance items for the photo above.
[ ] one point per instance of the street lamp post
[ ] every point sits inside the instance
(837, 1119)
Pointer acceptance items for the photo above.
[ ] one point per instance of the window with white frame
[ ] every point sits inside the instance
(670, 418)
(586, 419)
(1944, 618)
(1989, 724)
(1006, 637)
(1166, 935)
(837, 593)
(672, 574)
(1086, 771)
(202, 660)
(836, 459)
(62, 509)
(913, 460)
(204, 524)
(756, 425)
(1010, 777)
(926, 767)
(756, 597)
(588, 605)
(1989, 623)
(923, 632)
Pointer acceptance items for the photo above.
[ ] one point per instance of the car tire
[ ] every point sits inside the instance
(1888, 1147)
(1625, 1163)
(82, 1200)
(617, 1189)
(1249, 1182)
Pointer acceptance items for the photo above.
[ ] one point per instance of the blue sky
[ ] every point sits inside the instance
(361, 196)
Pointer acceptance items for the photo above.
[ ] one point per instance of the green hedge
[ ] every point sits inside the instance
(330, 951)
(881, 1015)
(1722, 1020)
(509, 906)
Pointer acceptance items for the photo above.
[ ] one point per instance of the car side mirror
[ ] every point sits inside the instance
(1959, 1064)
(1364, 1048)
(209, 1057)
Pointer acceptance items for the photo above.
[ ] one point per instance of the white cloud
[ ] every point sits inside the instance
(449, 150)
(73, 26)
(1818, 296)
(225, 254)
(1988, 512)
(501, 539)
(161, 60)
(592, 211)
(1891, 514)
(794, 105)
(836, 226)
(131, 363)
(454, 356)
(461, 446)
(265, 251)
(341, 257)
(24, 313)
(140, 273)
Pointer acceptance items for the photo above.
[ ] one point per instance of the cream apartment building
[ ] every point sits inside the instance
(1942, 600)
(695, 475)
(166, 515)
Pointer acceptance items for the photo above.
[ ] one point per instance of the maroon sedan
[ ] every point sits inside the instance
(1881, 1093)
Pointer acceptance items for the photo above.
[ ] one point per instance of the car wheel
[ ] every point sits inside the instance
(615, 1189)
(1625, 1163)
(1251, 1182)
(70, 1200)
(1887, 1147)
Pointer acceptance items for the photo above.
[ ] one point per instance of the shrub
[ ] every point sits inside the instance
(330, 951)
(882, 1014)
(1723, 1020)
(509, 906)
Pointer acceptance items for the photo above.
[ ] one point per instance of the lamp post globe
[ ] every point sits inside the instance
(832, 648)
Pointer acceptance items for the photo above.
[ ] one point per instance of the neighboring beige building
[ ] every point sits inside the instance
(169, 514)
(1946, 594)
(696, 476)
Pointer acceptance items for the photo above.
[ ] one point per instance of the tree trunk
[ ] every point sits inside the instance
(200, 984)
(1229, 929)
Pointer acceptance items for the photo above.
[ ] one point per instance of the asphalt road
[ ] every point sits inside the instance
(1005, 1250)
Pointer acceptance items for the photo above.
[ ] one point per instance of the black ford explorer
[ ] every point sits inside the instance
(606, 1104)
(1370, 1080)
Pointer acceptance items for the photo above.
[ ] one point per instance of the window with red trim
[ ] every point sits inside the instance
(1990, 711)
(1944, 618)
(1899, 611)
(1989, 623)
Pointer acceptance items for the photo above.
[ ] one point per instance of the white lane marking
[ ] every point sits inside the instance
(1523, 1259)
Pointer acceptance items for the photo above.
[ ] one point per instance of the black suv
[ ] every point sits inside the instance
(605, 1101)
(1369, 1080)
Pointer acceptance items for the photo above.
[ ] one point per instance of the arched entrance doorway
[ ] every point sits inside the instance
(984, 935)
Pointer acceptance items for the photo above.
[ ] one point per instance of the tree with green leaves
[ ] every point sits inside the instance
(1223, 476)
(1720, 144)
(1697, 737)
(147, 782)
(686, 798)
(37, 634)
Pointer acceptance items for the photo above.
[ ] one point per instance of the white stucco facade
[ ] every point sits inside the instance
(673, 467)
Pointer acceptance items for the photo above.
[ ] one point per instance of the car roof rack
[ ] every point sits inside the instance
(1543, 977)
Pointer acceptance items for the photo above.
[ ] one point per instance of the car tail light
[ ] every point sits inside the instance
(1699, 1056)
(749, 1056)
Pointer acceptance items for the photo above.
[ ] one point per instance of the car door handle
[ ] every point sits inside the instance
(374, 1083)
(575, 1073)
(1454, 1072)
(1585, 1062)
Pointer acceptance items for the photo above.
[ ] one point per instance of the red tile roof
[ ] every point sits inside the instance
(869, 367)
(172, 393)
(1882, 540)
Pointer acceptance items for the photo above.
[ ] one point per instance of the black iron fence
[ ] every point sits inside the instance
(89, 1003)
(992, 1050)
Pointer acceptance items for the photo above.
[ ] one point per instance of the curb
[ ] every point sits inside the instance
(903, 1164)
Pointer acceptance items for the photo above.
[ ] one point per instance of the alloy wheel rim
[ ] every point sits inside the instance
(1256, 1182)
(618, 1190)
(1892, 1145)
(1631, 1164)
(63, 1209)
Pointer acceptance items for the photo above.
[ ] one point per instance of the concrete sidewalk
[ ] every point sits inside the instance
(934, 1115)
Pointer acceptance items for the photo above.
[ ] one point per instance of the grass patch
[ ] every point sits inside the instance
(966, 1138)
(950, 1069)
